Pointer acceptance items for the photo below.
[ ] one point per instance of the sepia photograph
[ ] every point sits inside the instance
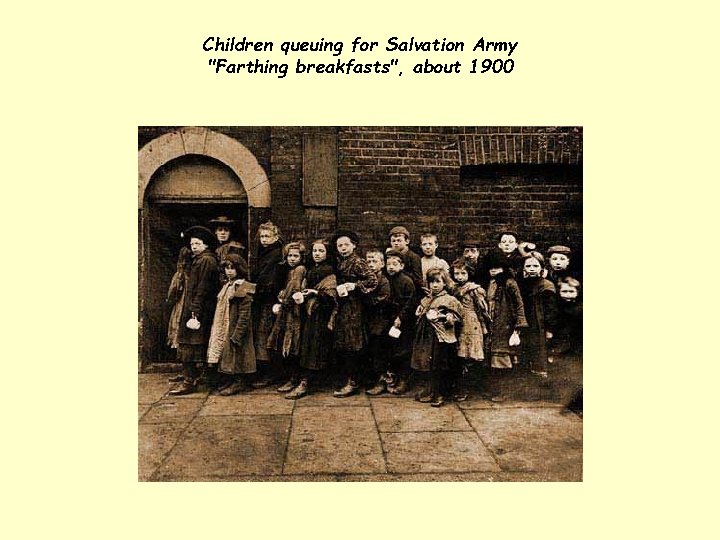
(360, 303)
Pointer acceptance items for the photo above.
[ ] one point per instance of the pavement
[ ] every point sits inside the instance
(260, 436)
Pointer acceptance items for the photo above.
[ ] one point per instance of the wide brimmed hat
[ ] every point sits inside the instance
(203, 233)
(222, 220)
(354, 238)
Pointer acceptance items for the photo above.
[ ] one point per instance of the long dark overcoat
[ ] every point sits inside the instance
(199, 298)
(351, 328)
(541, 314)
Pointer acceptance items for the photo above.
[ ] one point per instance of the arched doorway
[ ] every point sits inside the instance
(186, 178)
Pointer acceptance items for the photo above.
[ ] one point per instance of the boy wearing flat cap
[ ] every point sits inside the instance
(559, 263)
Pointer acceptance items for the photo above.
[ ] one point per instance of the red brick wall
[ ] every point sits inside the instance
(412, 176)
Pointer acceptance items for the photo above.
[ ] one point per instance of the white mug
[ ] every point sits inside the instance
(394, 332)
(298, 297)
(342, 290)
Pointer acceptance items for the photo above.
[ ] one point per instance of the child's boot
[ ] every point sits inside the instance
(299, 391)
(348, 390)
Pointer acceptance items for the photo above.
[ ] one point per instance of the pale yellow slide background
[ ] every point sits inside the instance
(81, 76)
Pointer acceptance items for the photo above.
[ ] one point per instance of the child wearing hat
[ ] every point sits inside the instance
(507, 318)
(231, 345)
(559, 263)
(284, 339)
(540, 305)
(198, 307)
(355, 279)
(471, 255)
(222, 226)
(268, 275)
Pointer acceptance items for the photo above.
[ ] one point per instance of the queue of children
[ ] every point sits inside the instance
(378, 321)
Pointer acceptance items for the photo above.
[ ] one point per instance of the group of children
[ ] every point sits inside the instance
(380, 321)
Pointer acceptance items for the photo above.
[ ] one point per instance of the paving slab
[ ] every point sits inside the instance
(263, 478)
(226, 446)
(152, 387)
(442, 477)
(480, 403)
(172, 410)
(444, 451)
(411, 415)
(326, 399)
(154, 442)
(334, 440)
(543, 441)
(253, 404)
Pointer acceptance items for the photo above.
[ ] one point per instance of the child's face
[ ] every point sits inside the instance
(374, 262)
(436, 284)
(293, 257)
(399, 242)
(223, 234)
(319, 253)
(559, 261)
(532, 267)
(568, 292)
(495, 271)
(394, 265)
(460, 275)
(197, 246)
(267, 237)
(471, 253)
(230, 272)
(345, 246)
(428, 245)
(507, 243)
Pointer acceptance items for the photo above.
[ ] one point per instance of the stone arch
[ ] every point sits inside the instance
(203, 141)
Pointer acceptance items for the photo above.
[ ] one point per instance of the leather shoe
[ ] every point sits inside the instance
(185, 388)
(177, 378)
(234, 388)
(286, 387)
(299, 391)
(439, 401)
(424, 398)
(378, 389)
(399, 389)
(346, 391)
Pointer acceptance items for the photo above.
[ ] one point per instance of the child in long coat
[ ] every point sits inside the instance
(231, 340)
(267, 274)
(540, 305)
(435, 345)
(355, 279)
(319, 310)
(198, 307)
(475, 316)
(284, 339)
(507, 317)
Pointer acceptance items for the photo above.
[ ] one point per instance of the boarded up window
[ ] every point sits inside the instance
(320, 169)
